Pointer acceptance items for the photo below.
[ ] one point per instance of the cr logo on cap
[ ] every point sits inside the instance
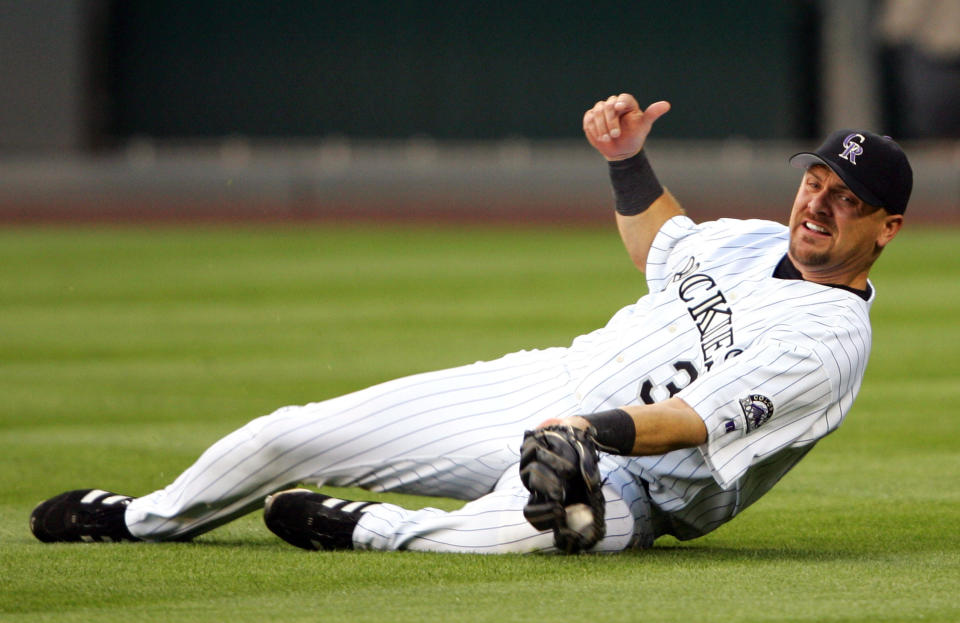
(852, 149)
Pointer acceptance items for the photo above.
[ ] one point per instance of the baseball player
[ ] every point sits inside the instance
(673, 418)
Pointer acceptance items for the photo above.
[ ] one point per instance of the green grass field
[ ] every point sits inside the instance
(124, 352)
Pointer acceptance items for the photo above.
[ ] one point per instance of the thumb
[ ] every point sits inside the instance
(653, 112)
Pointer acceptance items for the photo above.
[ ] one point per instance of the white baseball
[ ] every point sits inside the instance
(579, 518)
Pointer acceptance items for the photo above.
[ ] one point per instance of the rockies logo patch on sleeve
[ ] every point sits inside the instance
(757, 409)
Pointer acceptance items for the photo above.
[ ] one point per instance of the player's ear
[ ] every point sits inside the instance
(889, 228)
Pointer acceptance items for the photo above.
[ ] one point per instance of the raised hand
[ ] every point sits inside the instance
(617, 128)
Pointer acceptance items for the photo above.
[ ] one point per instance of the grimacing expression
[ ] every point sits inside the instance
(834, 235)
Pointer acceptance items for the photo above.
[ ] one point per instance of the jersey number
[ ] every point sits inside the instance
(647, 387)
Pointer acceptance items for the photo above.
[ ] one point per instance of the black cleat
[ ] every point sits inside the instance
(82, 515)
(312, 520)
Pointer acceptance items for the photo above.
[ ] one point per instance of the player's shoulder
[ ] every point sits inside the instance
(825, 319)
(744, 239)
(683, 226)
(724, 244)
(744, 227)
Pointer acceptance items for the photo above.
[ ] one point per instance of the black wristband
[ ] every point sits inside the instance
(635, 185)
(614, 429)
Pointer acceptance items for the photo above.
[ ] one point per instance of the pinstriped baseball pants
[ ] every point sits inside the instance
(453, 433)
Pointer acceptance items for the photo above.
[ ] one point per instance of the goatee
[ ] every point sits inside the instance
(810, 258)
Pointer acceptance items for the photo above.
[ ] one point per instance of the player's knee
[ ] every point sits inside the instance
(270, 436)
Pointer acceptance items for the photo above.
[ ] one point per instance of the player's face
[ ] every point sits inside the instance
(834, 236)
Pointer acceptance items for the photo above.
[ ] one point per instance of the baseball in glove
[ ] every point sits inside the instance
(560, 467)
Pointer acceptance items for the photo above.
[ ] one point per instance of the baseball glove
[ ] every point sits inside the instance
(560, 467)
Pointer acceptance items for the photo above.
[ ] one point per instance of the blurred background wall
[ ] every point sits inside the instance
(215, 109)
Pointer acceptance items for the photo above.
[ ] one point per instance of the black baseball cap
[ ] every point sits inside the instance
(872, 166)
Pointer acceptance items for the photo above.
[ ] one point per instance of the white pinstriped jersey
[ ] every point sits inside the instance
(771, 365)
